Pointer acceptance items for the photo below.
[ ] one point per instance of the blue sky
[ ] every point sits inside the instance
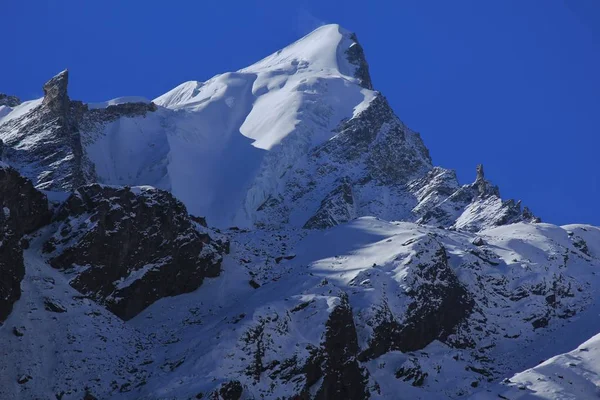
(512, 84)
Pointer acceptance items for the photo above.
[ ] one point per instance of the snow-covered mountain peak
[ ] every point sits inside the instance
(329, 49)
(298, 138)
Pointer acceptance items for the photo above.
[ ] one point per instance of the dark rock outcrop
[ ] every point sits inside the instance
(393, 154)
(438, 304)
(343, 378)
(411, 372)
(45, 142)
(478, 241)
(356, 56)
(54, 306)
(116, 111)
(10, 101)
(326, 368)
(483, 186)
(22, 210)
(55, 93)
(231, 390)
(129, 247)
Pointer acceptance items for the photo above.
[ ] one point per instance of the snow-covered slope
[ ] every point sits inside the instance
(416, 309)
(574, 375)
(481, 312)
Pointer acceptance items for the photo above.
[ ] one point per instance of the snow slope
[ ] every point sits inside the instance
(194, 343)
(61, 343)
(574, 375)
(221, 145)
(374, 263)
(9, 113)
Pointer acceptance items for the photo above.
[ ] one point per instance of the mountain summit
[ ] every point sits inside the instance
(274, 141)
(275, 232)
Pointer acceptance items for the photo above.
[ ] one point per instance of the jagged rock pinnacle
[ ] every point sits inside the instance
(55, 92)
(484, 187)
(480, 173)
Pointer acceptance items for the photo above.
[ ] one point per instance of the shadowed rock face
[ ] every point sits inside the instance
(332, 371)
(356, 56)
(231, 390)
(439, 303)
(343, 378)
(22, 210)
(129, 248)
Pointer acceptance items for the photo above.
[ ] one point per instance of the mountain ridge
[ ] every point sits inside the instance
(303, 110)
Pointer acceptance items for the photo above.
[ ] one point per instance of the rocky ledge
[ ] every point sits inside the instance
(128, 247)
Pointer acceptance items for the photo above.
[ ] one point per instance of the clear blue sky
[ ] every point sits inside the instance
(512, 84)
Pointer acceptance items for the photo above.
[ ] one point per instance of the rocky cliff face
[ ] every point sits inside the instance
(129, 247)
(45, 142)
(438, 304)
(377, 166)
(22, 210)
(356, 56)
(341, 374)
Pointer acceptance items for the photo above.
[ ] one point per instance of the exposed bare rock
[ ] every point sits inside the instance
(471, 207)
(231, 390)
(22, 210)
(10, 101)
(343, 377)
(356, 56)
(55, 93)
(393, 154)
(129, 247)
(45, 144)
(439, 303)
